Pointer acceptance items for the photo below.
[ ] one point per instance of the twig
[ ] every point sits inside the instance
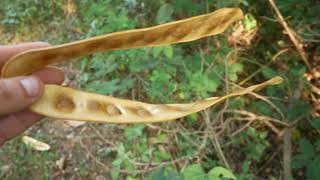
(242, 128)
(254, 116)
(295, 41)
(92, 157)
(256, 95)
(269, 160)
(251, 117)
(287, 150)
(215, 140)
(114, 147)
(274, 58)
(153, 126)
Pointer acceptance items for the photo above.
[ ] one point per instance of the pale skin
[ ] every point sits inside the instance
(18, 93)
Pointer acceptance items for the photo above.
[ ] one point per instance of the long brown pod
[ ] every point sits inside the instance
(67, 103)
(175, 32)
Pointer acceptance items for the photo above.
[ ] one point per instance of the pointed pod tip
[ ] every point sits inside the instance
(240, 12)
(276, 80)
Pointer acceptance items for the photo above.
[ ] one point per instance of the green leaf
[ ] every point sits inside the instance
(201, 84)
(315, 122)
(194, 172)
(165, 174)
(313, 168)
(306, 148)
(300, 161)
(130, 178)
(164, 13)
(115, 174)
(161, 80)
(126, 84)
(134, 131)
(220, 173)
(104, 87)
(116, 164)
(158, 175)
(159, 155)
(233, 70)
(298, 108)
(249, 22)
(168, 51)
(157, 51)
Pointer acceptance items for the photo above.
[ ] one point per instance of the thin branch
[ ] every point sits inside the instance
(287, 153)
(215, 140)
(290, 32)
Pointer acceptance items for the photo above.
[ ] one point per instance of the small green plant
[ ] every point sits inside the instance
(193, 172)
(308, 158)
(25, 159)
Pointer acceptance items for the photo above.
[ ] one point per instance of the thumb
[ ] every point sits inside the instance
(18, 93)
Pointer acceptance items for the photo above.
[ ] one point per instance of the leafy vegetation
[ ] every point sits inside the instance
(239, 139)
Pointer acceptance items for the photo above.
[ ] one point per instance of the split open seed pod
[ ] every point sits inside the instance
(67, 103)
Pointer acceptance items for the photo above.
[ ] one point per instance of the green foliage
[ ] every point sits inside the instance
(165, 174)
(160, 84)
(193, 172)
(116, 164)
(164, 13)
(28, 11)
(308, 158)
(25, 159)
(220, 173)
(134, 132)
(202, 84)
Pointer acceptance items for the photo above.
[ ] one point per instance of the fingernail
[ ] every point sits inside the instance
(31, 85)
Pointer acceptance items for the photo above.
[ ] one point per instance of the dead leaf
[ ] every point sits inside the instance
(61, 163)
(74, 123)
(70, 8)
(35, 144)
(243, 37)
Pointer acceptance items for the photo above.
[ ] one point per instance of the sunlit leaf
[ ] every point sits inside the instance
(218, 173)
(193, 172)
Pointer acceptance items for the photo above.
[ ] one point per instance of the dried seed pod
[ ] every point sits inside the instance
(170, 33)
(66, 103)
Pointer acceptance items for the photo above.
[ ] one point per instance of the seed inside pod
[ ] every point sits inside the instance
(64, 103)
(140, 111)
(167, 107)
(94, 106)
(135, 38)
(181, 32)
(151, 38)
(112, 110)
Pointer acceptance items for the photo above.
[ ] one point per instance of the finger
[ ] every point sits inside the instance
(50, 75)
(9, 51)
(18, 93)
(15, 124)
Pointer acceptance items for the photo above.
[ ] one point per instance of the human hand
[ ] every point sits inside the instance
(17, 93)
